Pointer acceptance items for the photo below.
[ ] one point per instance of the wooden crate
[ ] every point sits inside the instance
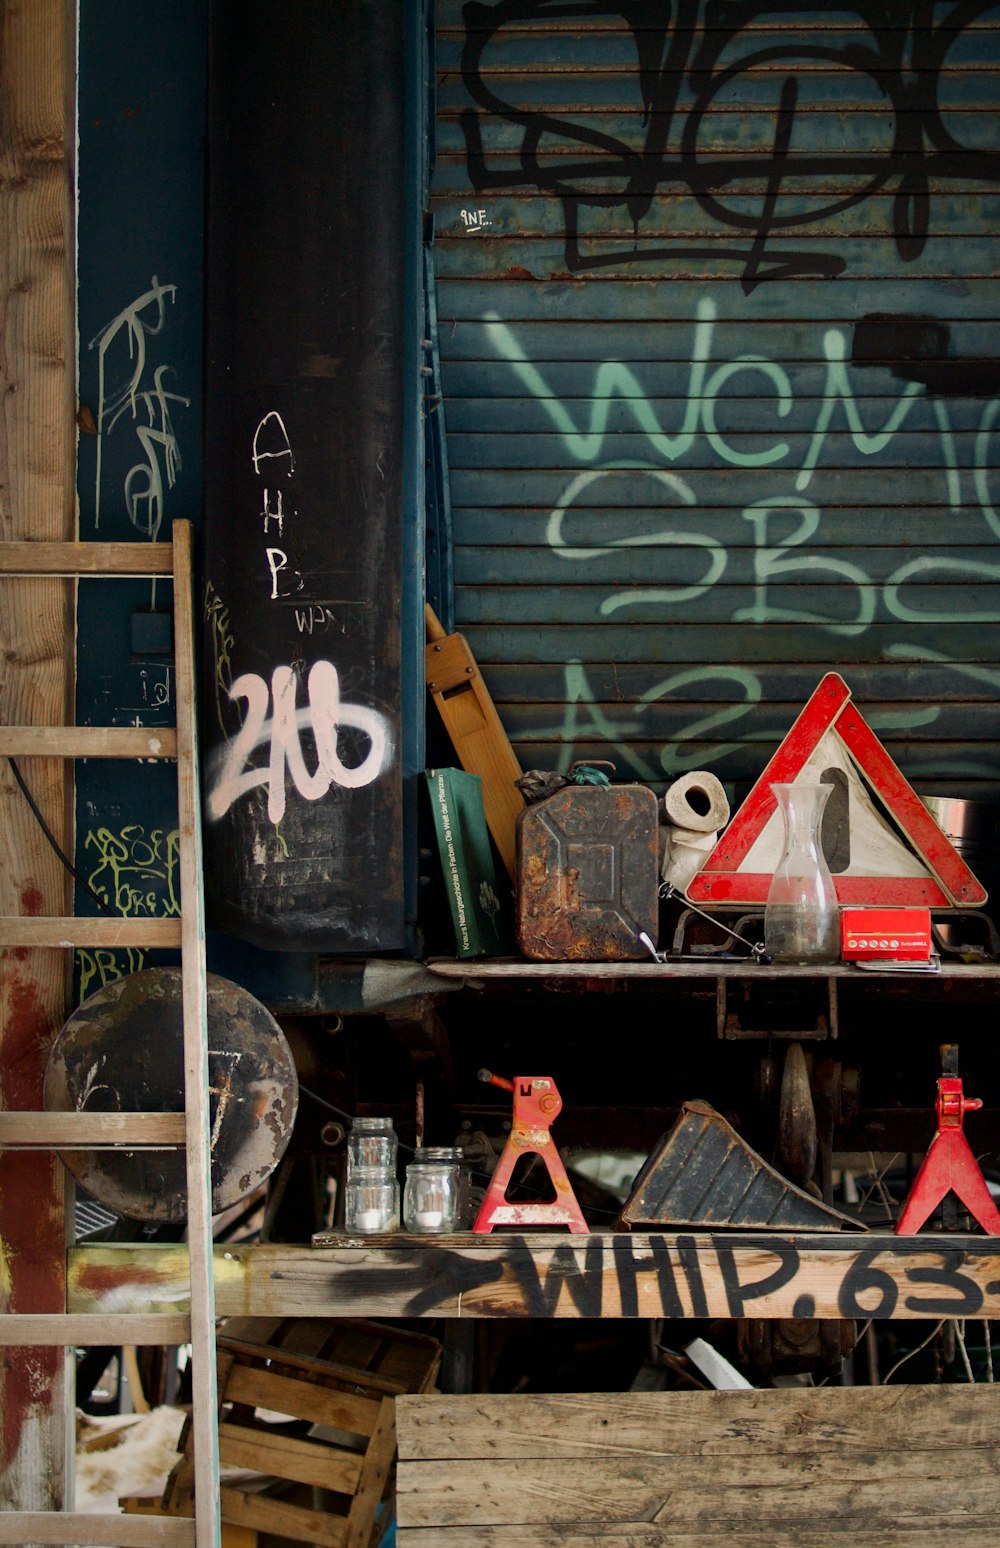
(307, 1410)
(862, 1467)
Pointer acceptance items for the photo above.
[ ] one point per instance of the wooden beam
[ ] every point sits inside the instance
(129, 1531)
(888, 1466)
(35, 1330)
(37, 502)
(87, 742)
(88, 1131)
(66, 930)
(645, 1274)
(54, 558)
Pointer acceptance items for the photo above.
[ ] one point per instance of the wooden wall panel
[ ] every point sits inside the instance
(810, 1468)
(718, 317)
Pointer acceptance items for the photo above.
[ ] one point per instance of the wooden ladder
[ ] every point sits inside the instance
(189, 1130)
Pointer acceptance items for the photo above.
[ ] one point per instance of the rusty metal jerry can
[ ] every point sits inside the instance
(587, 874)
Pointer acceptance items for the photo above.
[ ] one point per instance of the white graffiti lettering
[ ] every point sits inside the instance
(323, 717)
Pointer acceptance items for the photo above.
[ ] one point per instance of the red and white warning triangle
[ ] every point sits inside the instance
(912, 862)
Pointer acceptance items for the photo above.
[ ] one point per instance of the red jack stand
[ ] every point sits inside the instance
(949, 1165)
(537, 1104)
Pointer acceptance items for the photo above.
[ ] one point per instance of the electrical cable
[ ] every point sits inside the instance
(53, 842)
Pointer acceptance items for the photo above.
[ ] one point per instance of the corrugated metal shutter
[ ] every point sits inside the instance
(719, 341)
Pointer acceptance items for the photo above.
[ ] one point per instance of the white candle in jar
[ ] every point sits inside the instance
(430, 1219)
(370, 1220)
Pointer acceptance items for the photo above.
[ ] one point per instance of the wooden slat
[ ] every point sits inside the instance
(85, 1131)
(110, 559)
(285, 1354)
(641, 1535)
(302, 1399)
(60, 1527)
(857, 1488)
(660, 1427)
(287, 1521)
(37, 477)
(645, 1274)
(379, 1458)
(87, 742)
(194, 1000)
(784, 1468)
(34, 1329)
(70, 930)
(302, 1461)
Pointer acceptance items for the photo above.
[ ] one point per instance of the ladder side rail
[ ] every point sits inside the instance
(205, 1395)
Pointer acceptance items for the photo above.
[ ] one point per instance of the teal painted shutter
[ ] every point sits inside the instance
(719, 342)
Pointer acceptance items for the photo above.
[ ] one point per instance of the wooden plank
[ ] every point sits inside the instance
(736, 1489)
(662, 1426)
(302, 1461)
(645, 1274)
(87, 742)
(379, 1458)
(475, 1496)
(37, 463)
(194, 1006)
(110, 559)
(37, 1329)
(288, 1521)
(285, 1355)
(79, 930)
(121, 1531)
(641, 1535)
(302, 1399)
(84, 1131)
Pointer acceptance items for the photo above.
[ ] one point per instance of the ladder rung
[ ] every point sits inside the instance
(88, 742)
(27, 559)
(20, 930)
(32, 1329)
(90, 1131)
(120, 1531)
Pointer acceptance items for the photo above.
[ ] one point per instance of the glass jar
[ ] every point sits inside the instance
(371, 1202)
(372, 1142)
(436, 1192)
(802, 916)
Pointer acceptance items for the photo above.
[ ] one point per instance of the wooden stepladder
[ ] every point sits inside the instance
(84, 1131)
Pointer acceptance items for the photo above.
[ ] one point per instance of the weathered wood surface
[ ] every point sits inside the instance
(51, 557)
(86, 742)
(94, 1531)
(79, 930)
(37, 139)
(820, 1466)
(81, 1131)
(648, 1274)
(517, 968)
(912, 1419)
(36, 1329)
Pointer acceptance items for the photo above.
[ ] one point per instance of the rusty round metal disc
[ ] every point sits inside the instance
(122, 1050)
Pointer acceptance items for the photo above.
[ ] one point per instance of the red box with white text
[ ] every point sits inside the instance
(885, 934)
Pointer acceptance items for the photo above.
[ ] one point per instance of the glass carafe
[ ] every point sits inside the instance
(802, 917)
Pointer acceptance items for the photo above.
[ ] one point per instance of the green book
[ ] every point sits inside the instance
(480, 908)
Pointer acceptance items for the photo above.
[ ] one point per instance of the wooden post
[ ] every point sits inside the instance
(36, 502)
